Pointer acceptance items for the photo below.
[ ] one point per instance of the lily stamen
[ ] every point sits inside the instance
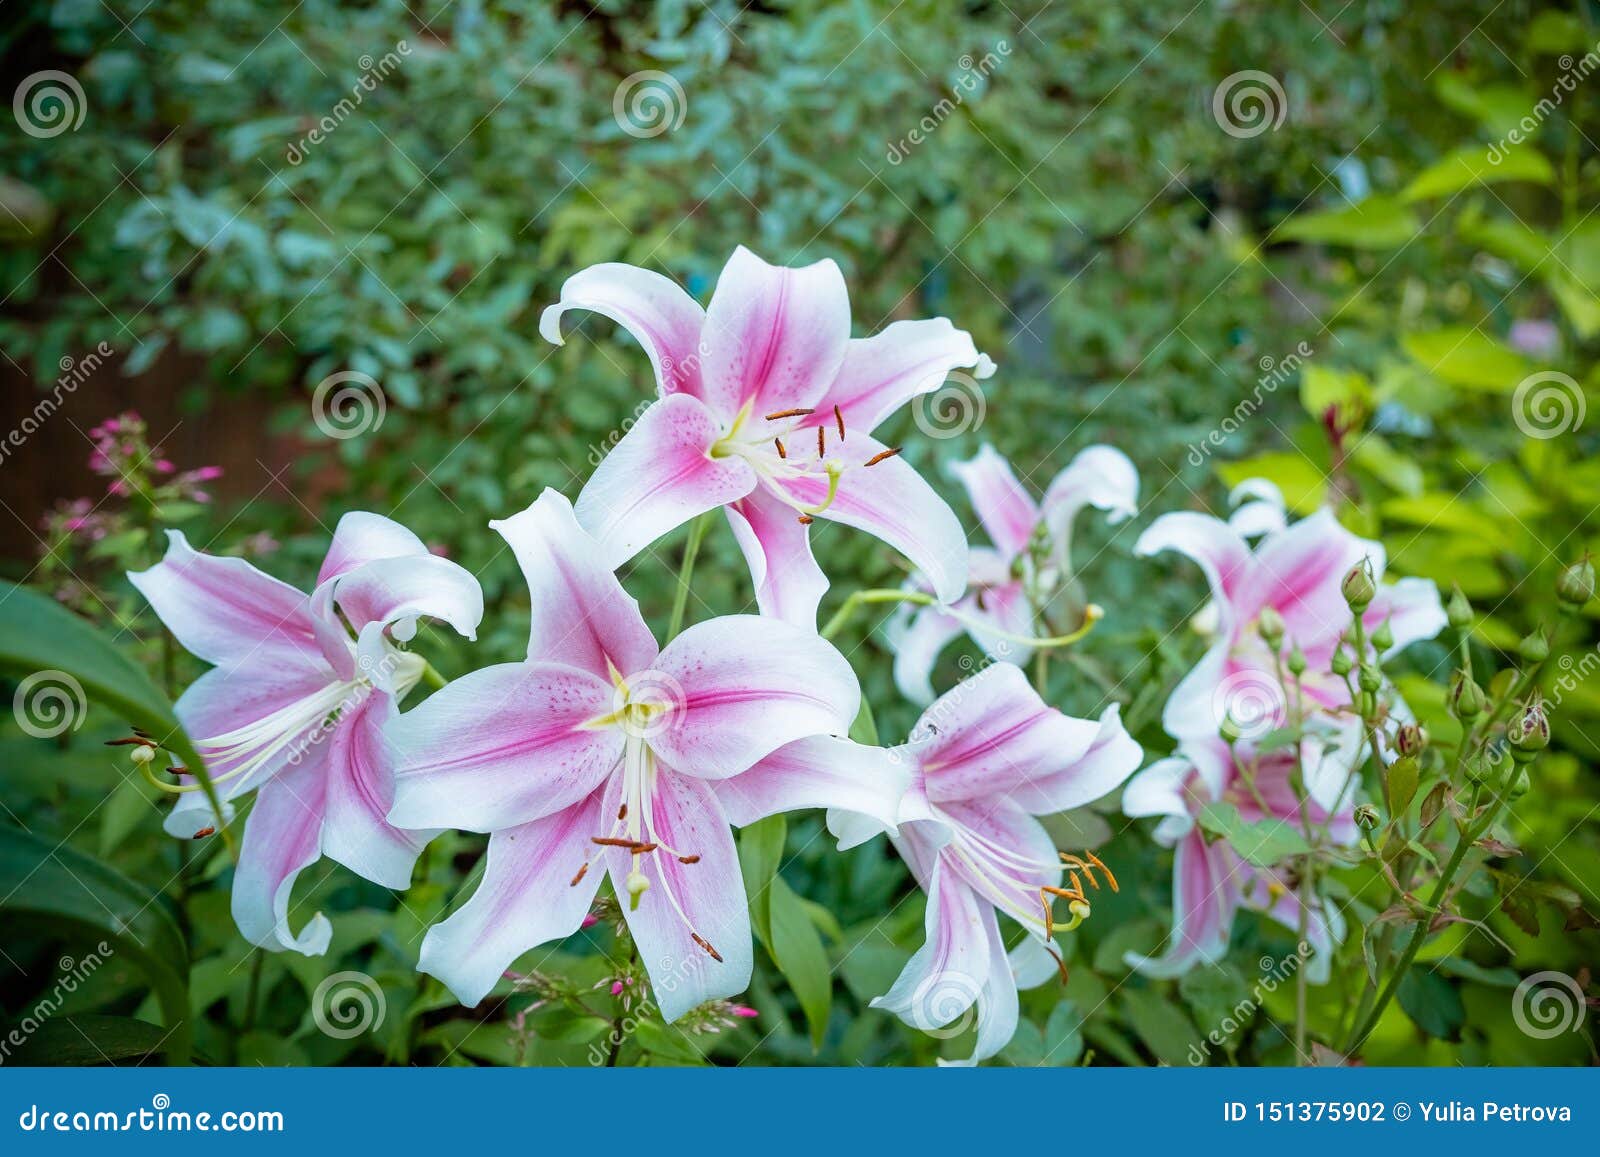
(797, 412)
(582, 872)
(706, 945)
(839, 420)
(782, 453)
(876, 458)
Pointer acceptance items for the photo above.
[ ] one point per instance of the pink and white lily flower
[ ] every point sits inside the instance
(1015, 584)
(985, 759)
(301, 688)
(1297, 570)
(1211, 881)
(604, 756)
(766, 407)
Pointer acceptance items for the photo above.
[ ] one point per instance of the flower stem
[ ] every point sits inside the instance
(922, 599)
(691, 550)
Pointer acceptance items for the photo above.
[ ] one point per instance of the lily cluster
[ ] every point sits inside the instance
(1272, 730)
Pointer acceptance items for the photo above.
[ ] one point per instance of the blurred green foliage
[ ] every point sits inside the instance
(1137, 271)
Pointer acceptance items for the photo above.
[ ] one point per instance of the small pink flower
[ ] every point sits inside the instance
(744, 1010)
(616, 988)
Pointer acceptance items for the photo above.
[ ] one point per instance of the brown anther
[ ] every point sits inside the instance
(805, 520)
(1049, 915)
(1061, 965)
(1097, 862)
(1078, 884)
(614, 842)
(204, 832)
(782, 453)
(839, 420)
(643, 849)
(622, 812)
(688, 859)
(876, 458)
(1065, 893)
(797, 412)
(706, 944)
(582, 872)
(132, 741)
(822, 441)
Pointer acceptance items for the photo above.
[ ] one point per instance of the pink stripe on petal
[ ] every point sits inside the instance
(360, 784)
(282, 837)
(884, 372)
(663, 318)
(789, 583)
(820, 772)
(1007, 511)
(945, 976)
(363, 537)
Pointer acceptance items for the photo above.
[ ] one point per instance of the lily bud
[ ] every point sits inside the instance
(1341, 664)
(1411, 740)
(1529, 732)
(1358, 587)
(1458, 611)
(1488, 765)
(1383, 637)
(1466, 697)
(1366, 817)
(1534, 648)
(1369, 678)
(1520, 786)
(1575, 584)
(1230, 729)
(1270, 627)
(1297, 660)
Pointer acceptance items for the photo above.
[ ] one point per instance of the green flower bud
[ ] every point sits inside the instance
(1341, 663)
(1358, 587)
(1269, 625)
(1487, 766)
(1529, 730)
(1383, 637)
(1369, 678)
(1520, 786)
(1466, 697)
(1366, 817)
(1230, 729)
(1458, 611)
(1297, 660)
(1575, 584)
(1534, 648)
(1411, 740)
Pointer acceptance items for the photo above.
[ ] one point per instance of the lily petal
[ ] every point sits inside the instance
(395, 592)
(775, 337)
(705, 898)
(226, 699)
(917, 637)
(789, 583)
(1004, 506)
(362, 537)
(885, 371)
(658, 477)
(225, 611)
(743, 686)
(282, 837)
(1205, 894)
(820, 772)
(500, 747)
(1298, 572)
(581, 615)
(1100, 476)
(663, 318)
(998, 1007)
(944, 978)
(360, 783)
(1106, 766)
(527, 897)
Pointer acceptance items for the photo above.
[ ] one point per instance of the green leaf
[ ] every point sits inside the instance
(90, 1040)
(1166, 1031)
(1263, 843)
(1376, 223)
(79, 896)
(1473, 165)
(1432, 1003)
(40, 637)
(1402, 785)
(1063, 1035)
(1305, 488)
(797, 950)
(668, 1043)
(1468, 358)
(760, 853)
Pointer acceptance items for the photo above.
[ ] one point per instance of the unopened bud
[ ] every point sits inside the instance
(1575, 583)
(1297, 660)
(1230, 729)
(1341, 664)
(1488, 765)
(1269, 625)
(1520, 786)
(1529, 730)
(1458, 611)
(1534, 648)
(1366, 817)
(1383, 637)
(1411, 740)
(1466, 697)
(1369, 678)
(1358, 587)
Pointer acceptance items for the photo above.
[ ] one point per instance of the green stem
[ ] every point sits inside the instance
(431, 676)
(922, 599)
(691, 550)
